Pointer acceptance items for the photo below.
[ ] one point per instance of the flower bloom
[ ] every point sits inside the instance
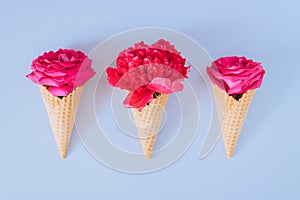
(61, 71)
(236, 75)
(143, 70)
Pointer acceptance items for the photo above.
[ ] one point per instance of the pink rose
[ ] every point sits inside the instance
(236, 75)
(61, 71)
(144, 70)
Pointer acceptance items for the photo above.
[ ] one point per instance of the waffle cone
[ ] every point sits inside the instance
(232, 114)
(62, 113)
(148, 122)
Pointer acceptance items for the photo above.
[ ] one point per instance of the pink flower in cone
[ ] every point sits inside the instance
(236, 75)
(61, 71)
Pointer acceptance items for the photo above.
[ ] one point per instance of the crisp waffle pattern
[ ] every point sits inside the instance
(232, 115)
(148, 122)
(62, 113)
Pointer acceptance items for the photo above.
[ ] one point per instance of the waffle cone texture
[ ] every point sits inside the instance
(148, 122)
(62, 113)
(232, 114)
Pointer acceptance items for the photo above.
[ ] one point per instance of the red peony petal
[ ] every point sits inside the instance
(165, 86)
(138, 98)
(112, 76)
(164, 45)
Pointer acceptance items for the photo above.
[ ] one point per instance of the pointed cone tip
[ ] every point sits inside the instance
(229, 155)
(147, 156)
(63, 155)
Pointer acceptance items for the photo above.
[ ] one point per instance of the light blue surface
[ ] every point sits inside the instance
(266, 164)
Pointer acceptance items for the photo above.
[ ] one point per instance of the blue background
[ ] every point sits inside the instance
(267, 160)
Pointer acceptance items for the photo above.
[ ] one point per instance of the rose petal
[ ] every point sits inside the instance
(83, 76)
(48, 82)
(61, 91)
(32, 76)
(39, 74)
(63, 58)
(54, 73)
(56, 65)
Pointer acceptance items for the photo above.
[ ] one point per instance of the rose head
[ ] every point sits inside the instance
(236, 75)
(61, 71)
(143, 70)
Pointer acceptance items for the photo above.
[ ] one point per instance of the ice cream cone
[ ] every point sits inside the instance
(232, 114)
(148, 122)
(62, 113)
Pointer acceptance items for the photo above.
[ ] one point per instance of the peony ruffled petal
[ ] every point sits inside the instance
(138, 98)
(165, 86)
(112, 76)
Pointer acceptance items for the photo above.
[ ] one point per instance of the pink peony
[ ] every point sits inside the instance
(144, 70)
(236, 75)
(61, 71)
